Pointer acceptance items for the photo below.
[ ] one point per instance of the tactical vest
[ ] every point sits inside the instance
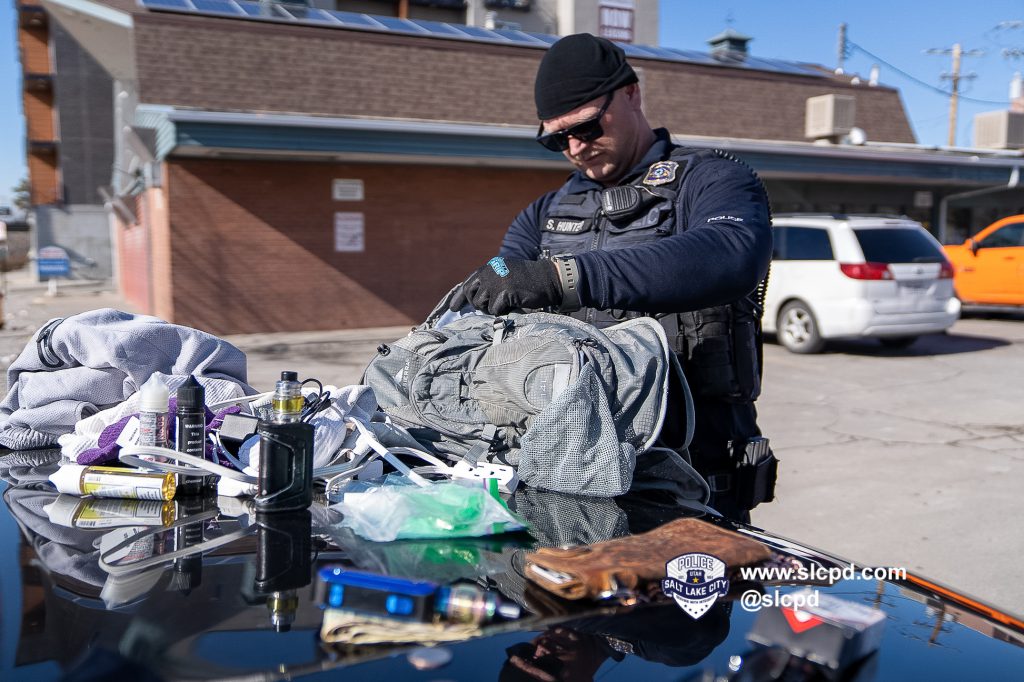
(719, 347)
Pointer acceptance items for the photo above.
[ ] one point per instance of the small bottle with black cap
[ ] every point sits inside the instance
(190, 431)
(286, 451)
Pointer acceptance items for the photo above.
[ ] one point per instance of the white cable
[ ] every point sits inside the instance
(245, 399)
(191, 465)
(332, 469)
(225, 453)
(200, 467)
(425, 456)
(351, 472)
(248, 399)
(366, 437)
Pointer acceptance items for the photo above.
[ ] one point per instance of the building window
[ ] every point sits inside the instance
(523, 5)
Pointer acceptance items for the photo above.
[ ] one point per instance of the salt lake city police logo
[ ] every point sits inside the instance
(661, 173)
(695, 580)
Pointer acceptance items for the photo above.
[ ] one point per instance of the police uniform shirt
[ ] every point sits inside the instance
(720, 256)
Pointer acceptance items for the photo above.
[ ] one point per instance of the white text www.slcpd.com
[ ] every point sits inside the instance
(816, 572)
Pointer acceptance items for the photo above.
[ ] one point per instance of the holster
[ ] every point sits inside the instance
(756, 472)
(626, 565)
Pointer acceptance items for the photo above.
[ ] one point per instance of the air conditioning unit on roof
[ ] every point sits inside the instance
(829, 116)
(999, 130)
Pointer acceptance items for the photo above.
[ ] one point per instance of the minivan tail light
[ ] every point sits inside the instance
(866, 270)
(946, 270)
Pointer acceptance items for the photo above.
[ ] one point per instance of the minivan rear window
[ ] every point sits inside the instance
(802, 243)
(898, 245)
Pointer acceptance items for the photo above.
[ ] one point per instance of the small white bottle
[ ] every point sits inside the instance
(101, 481)
(153, 413)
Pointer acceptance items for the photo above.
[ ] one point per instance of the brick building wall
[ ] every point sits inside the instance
(734, 103)
(132, 244)
(255, 67)
(38, 109)
(40, 127)
(43, 172)
(251, 243)
(143, 255)
(249, 66)
(153, 209)
(35, 49)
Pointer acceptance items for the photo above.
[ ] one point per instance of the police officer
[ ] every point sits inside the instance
(644, 227)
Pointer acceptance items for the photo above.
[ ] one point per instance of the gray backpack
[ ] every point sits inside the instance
(569, 405)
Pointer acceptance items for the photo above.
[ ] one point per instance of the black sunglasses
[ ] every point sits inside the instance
(585, 131)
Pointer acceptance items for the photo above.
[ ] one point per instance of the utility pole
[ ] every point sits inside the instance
(841, 49)
(955, 77)
(954, 99)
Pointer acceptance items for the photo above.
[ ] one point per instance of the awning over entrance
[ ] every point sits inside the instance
(182, 132)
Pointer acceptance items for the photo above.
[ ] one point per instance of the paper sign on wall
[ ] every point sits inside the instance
(347, 190)
(349, 232)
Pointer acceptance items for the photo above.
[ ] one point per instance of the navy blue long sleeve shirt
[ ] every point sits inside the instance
(720, 257)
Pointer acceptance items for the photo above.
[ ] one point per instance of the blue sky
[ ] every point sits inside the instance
(896, 32)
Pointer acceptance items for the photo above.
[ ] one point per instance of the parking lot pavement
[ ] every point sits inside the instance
(333, 357)
(27, 306)
(911, 458)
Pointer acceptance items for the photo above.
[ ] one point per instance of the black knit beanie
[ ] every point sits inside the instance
(576, 70)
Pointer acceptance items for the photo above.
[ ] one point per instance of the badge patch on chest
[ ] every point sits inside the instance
(565, 226)
(661, 173)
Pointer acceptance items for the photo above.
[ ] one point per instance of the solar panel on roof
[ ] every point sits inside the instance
(544, 38)
(808, 70)
(646, 51)
(252, 9)
(400, 25)
(660, 53)
(775, 65)
(631, 50)
(288, 13)
(437, 28)
(168, 4)
(353, 20)
(310, 14)
(484, 33)
(689, 55)
(218, 7)
(517, 36)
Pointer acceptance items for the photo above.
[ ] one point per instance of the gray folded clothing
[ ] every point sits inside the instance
(77, 366)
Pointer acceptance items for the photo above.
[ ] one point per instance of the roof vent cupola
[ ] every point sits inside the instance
(729, 45)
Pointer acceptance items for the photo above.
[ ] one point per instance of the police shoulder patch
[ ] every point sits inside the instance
(661, 173)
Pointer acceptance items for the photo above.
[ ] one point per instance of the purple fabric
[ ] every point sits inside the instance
(107, 449)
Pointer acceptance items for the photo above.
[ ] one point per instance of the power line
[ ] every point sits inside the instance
(917, 80)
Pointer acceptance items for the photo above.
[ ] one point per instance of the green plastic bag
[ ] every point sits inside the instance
(449, 509)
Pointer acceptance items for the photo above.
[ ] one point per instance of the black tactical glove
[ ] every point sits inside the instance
(505, 285)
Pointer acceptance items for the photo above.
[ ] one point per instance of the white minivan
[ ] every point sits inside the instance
(852, 276)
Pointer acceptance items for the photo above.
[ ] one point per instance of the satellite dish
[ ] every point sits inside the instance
(856, 136)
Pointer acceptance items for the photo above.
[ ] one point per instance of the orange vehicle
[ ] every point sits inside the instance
(988, 268)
